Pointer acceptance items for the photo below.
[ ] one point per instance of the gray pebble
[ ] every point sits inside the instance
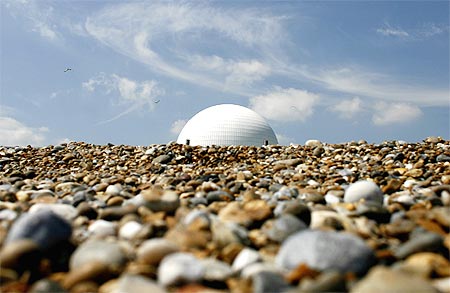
(269, 282)
(280, 228)
(216, 270)
(44, 227)
(426, 241)
(325, 250)
(66, 211)
(179, 268)
(109, 253)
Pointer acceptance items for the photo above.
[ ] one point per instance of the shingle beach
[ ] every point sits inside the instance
(317, 217)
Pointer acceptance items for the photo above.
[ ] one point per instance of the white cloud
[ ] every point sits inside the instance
(285, 104)
(428, 30)
(177, 126)
(133, 94)
(39, 17)
(417, 33)
(389, 31)
(347, 109)
(395, 113)
(167, 36)
(379, 86)
(15, 133)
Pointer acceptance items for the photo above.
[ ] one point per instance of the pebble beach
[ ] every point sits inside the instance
(316, 217)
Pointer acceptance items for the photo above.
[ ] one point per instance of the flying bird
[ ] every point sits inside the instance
(156, 101)
(67, 69)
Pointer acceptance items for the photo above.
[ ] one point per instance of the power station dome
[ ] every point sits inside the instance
(227, 124)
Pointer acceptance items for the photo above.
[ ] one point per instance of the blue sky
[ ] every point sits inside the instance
(330, 70)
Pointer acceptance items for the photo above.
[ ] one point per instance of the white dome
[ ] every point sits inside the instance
(227, 124)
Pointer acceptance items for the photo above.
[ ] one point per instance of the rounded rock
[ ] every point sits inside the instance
(326, 250)
(178, 268)
(364, 190)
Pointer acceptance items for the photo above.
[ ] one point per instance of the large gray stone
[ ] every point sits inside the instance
(326, 250)
(44, 227)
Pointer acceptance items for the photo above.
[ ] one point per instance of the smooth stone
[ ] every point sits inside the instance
(102, 228)
(325, 282)
(313, 143)
(113, 190)
(268, 282)
(280, 228)
(108, 253)
(17, 253)
(152, 251)
(44, 227)
(331, 199)
(218, 195)
(363, 190)
(383, 279)
(89, 271)
(194, 215)
(216, 270)
(162, 159)
(8, 215)
(426, 241)
(257, 267)
(178, 268)
(443, 158)
(136, 284)
(294, 207)
(245, 257)
(325, 250)
(161, 200)
(46, 286)
(224, 233)
(427, 265)
(130, 229)
(66, 211)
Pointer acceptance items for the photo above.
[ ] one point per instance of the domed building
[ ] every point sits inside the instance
(227, 124)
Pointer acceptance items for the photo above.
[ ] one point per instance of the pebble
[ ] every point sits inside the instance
(382, 279)
(130, 230)
(280, 228)
(143, 204)
(216, 270)
(102, 228)
(178, 268)
(136, 284)
(267, 282)
(363, 190)
(108, 253)
(152, 251)
(426, 241)
(325, 250)
(246, 257)
(44, 227)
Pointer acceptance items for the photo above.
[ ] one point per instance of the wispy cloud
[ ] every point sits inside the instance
(389, 31)
(177, 126)
(395, 113)
(134, 95)
(378, 86)
(15, 133)
(347, 109)
(170, 38)
(417, 33)
(39, 17)
(284, 139)
(285, 104)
